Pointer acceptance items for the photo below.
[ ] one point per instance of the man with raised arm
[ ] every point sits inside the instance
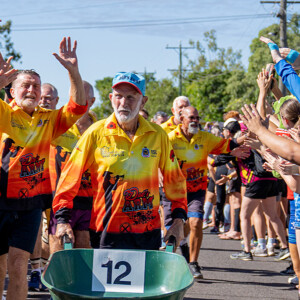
(123, 154)
(27, 131)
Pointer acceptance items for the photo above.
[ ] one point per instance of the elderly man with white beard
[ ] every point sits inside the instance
(123, 154)
(191, 147)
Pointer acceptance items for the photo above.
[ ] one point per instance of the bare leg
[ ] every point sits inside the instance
(17, 271)
(196, 235)
(259, 222)
(269, 207)
(248, 206)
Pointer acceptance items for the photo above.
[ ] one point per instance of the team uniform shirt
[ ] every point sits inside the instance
(192, 156)
(169, 125)
(24, 148)
(124, 175)
(60, 152)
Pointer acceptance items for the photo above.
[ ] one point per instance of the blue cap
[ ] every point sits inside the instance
(135, 80)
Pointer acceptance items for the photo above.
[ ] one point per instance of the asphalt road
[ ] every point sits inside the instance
(225, 278)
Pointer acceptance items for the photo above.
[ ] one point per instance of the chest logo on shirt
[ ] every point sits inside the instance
(197, 147)
(145, 152)
(108, 152)
(42, 122)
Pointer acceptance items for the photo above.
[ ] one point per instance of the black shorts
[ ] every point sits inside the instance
(234, 185)
(261, 189)
(211, 185)
(19, 229)
(282, 188)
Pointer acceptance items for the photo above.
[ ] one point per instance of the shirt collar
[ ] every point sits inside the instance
(180, 135)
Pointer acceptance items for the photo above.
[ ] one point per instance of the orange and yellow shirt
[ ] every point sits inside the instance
(60, 152)
(124, 175)
(192, 156)
(24, 148)
(169, 125)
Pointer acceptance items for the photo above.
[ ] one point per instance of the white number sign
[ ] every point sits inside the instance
(118, 271)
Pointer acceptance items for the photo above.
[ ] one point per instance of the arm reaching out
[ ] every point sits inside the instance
(285, 148)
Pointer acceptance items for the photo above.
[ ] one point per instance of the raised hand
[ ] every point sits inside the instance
(273, 47)
(263, 81)
(291, 56)
(7, 73)
(67, 55)
(241, 152)
(251, 118)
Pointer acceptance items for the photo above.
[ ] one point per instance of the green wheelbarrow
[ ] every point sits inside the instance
(116, 274)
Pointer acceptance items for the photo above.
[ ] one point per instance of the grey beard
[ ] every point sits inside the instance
(193, 130)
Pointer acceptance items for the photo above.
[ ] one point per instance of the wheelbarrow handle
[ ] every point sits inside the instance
(67, 242)
(171, 245)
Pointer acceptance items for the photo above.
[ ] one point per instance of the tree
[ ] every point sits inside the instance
(206, 85)
(6, 46)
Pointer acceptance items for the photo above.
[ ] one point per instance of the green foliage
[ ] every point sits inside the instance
(212, 71)
(104, 88)
(161, 94)
(6, 45)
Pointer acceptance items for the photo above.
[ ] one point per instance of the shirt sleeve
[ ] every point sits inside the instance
(217, 145)
(67, 116)
(82, 158)
(6, 123)
(174, 181)
(289, 77)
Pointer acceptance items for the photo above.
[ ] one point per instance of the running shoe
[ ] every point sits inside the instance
(260, 252)
(242, 255)
(185, 251)
(293, 280)
(215, 230)
(288, 271)
(271, 250)
(195, 270)
(205, 224)
(35, 281)
(283, 254)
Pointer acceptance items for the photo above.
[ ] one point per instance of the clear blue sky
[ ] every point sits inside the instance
(127, 35)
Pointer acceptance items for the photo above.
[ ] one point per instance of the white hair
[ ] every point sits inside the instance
(184, 98)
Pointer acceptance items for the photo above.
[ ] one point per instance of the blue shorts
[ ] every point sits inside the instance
(19, 229)
(297, 210)
(292, 232)
(195, 204)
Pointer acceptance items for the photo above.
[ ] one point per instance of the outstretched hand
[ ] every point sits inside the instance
(284, 52)
(67, 55)
(274, 52)
(263, 80)
(251, 118)
(7, 73)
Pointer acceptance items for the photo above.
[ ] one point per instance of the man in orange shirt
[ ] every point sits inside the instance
(123, 154)
(27, 131)
(192, 147)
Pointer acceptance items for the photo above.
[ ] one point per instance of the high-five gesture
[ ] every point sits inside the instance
(273, 48)
(68, 58)
(7, 73)
(67, 55)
